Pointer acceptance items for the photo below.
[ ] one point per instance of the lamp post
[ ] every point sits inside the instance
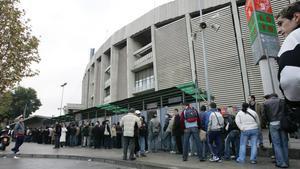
(203, 26)
(62, 96)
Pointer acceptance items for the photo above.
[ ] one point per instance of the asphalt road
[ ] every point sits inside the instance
(40, 163)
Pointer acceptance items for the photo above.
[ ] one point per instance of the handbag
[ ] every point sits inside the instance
(202, 135)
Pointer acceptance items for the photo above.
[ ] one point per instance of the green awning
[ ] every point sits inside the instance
(113, 108)
(190, 88)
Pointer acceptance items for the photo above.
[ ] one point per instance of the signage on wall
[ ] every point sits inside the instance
(151, 105)
(262, 28)
(174, 100)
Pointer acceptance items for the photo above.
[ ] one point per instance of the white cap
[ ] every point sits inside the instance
(137, 112)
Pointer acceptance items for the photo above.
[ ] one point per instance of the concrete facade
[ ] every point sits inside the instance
(163, 48)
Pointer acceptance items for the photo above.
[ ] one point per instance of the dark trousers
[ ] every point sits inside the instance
(57, 139)
(119, 140)
(107, 141)
(179, 143)
(19, 142)
(215, 143)
(128, 143)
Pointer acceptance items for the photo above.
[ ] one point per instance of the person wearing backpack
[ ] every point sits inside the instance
(154, 130)
(190, 123)
(214, 131)
(248, 122)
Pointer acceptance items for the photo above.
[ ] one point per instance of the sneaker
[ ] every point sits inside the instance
(172, 152)
(220, 160)
(190, 154)
(15, 157)
(253, 162)
(18, 153)
(214, 159)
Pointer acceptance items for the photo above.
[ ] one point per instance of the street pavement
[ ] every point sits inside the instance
(161, 160)
(29, 163)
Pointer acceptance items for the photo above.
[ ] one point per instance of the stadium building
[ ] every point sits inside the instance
(152, 63)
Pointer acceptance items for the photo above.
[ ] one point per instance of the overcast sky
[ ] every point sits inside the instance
(67, 29)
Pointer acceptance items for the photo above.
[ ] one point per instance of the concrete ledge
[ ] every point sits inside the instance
(134, 164)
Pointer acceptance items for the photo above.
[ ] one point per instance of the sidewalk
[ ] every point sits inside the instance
(159, 160)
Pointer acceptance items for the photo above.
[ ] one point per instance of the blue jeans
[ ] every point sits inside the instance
(167, 141)
(233, 139)
(280, 145)
(215, 143)
(253, 136)
(194, 132)
(153, 142)
(142, 144)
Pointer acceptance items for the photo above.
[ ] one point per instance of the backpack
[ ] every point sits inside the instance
(190, 115)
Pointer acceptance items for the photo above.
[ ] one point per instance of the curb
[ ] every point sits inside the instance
(134, 164)
(293, 153)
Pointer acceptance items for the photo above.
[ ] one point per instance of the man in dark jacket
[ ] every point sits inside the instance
(177, 131)
(57, 134)
(274, 111)
(232, 140)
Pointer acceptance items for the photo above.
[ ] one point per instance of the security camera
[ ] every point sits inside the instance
(215, 27)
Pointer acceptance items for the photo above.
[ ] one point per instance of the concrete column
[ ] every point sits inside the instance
(241, 51)
(101, 84)
(84, 90)
(191, 48)
(88, 89)
(97, 81)
(114, 73)
(269, 73)
(131, 47)
(154, 56)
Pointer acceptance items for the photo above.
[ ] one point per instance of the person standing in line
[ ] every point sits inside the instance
(142, 136)
(127, 123)
(114, 135)
(154, 130)
(232, 138)
(119, 135)
(57, 134)
(288, 20)
(106, 135)
(170, 129)
(274, 110)
(85, 134)
(248, 122)
(258, 108)
(19, 131)
(177, 131)
(214, 129)
(166, 140)
(63, 135)
(190, 123)
(203, 131)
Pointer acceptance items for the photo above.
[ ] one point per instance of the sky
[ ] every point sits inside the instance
(67, 29)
